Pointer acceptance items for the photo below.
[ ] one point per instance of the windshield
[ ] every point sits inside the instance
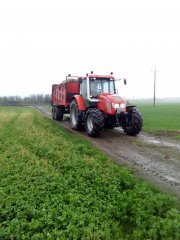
(98, 86)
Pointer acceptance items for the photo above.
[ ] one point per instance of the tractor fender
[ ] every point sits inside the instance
(80, 102)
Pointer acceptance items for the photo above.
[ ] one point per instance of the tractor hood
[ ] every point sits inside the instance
(110, 103)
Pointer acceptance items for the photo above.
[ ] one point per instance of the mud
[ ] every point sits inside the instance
(154, 158)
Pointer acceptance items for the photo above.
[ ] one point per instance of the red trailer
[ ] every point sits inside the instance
(93, 103)
(62, 95)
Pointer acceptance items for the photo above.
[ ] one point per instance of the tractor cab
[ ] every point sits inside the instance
(92, 86)
(99, 91)
(98, 85)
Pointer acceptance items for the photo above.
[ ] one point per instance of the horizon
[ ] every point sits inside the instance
(139, 99)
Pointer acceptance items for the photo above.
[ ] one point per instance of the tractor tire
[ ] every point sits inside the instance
(57, 113)
(135, 122)
(75, 116)
(94, 122)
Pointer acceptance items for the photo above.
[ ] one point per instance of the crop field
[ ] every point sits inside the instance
(55, 185)
(164, 117)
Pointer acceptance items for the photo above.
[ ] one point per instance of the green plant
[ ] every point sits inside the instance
(54, 185)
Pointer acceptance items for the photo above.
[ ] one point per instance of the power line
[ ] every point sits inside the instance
(154, 102)
(155, 80)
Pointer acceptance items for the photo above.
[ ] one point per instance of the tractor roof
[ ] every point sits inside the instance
(71, 79)
(101, 76)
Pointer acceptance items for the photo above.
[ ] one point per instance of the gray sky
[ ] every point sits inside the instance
(42, 41)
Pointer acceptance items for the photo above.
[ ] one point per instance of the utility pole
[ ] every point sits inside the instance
(154, 102)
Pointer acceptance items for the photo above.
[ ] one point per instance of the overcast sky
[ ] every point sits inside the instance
(42, 41)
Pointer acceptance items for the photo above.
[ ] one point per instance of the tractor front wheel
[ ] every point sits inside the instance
(134, 122)
(94, 122)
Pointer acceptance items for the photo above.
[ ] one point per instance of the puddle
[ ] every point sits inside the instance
(154, 140)
(160, 142)
(149, 139)
(172, 180)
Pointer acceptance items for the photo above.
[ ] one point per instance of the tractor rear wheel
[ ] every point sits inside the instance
(134, 122)
(94, 122)
(57, 113)
(75, 116)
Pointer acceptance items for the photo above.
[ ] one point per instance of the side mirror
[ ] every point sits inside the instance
(125, 82)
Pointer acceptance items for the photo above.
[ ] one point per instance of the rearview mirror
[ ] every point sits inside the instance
(120, 79)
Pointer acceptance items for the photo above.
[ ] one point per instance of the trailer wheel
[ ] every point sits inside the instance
(57, 113)
(53, 112)
(75, 116)
(94, 122)
(134, 122)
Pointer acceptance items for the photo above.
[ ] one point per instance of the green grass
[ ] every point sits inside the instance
(55, 185)
(164, 117)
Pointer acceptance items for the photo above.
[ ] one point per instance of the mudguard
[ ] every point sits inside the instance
(80, 102)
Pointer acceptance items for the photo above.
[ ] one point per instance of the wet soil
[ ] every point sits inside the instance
(155, 158)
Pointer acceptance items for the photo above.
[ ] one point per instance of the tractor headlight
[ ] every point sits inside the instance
(115, 105)
(122, 105)
(119, 106)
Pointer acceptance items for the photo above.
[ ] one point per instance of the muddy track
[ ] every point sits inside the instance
(155, 158)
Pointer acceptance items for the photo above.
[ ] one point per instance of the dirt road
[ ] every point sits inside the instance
(155, 158)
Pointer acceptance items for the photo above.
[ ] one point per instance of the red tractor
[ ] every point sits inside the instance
(93, 103)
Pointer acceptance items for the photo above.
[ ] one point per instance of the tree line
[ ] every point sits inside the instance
(32, 99)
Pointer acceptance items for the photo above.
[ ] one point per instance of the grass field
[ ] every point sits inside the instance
(54, 185)
(165, 117)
